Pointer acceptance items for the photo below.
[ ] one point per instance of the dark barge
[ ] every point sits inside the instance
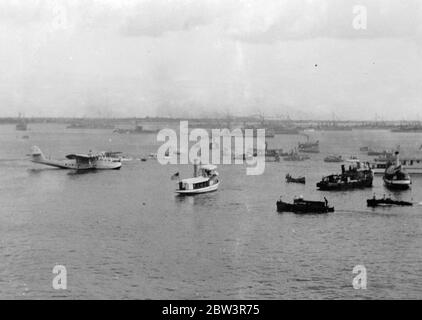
(302, 206)
(373, 202)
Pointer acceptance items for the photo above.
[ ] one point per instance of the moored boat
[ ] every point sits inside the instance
(302, 206)
(289, 179)
(333, 158)
(395, 176)
(374, 202)
(412, 164)
(384, 153)
(309, 147)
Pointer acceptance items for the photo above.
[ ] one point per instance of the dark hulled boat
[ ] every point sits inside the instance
(374, 202)
(309, 147)
(358, 175)
(302, 206)
(289, 178)
(333, 158)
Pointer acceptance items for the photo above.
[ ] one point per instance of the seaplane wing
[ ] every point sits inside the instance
(81, 157)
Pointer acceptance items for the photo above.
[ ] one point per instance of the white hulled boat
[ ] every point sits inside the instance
(395, 177)
(413, 165)
(205, 180)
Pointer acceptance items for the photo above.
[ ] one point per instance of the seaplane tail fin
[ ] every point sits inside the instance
(36, 154)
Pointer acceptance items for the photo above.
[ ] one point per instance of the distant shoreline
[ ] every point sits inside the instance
(228, 121)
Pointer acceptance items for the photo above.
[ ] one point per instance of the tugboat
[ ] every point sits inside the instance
(289, 179)
(395, 177)
(374, 202)
(205, 180)
(359, 175)
(302, 206)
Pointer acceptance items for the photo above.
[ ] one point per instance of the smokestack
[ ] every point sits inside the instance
(195, 168)
(397, 158)
(342, 168)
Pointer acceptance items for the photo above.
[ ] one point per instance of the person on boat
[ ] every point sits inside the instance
(326, 201)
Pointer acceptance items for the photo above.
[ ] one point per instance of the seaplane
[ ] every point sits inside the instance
(88, 161)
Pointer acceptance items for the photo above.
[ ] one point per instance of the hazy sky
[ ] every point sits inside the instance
(301, 58)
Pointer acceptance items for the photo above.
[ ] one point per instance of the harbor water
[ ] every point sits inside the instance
(124, 234)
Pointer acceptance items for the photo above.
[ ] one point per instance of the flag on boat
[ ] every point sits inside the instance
(175, 176)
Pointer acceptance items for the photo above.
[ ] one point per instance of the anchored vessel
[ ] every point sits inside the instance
(205, 180)
(77, 161)
(304, 206)
(383, 153)
(412, 165)
(289, 178)
(309, 147)
(358, 175)
(395, 177)
(333, 158)
(374, 202)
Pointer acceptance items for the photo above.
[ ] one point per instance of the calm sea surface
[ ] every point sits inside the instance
(125, 235)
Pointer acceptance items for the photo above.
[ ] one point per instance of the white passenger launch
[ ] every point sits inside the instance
(205, 180)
